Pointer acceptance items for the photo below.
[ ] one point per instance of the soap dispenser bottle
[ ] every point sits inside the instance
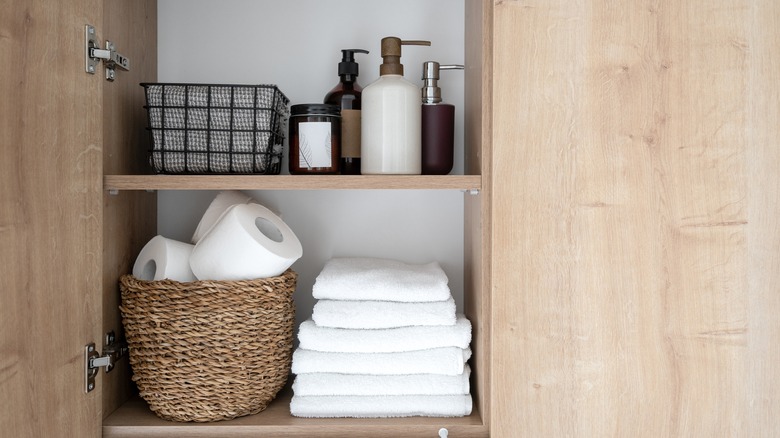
(347, 96)
(437, 122)
(390, 133)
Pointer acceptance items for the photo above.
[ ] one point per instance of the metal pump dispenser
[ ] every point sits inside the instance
(437, 124)
(431, 93)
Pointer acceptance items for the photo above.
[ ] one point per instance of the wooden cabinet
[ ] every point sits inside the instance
(132, 417)
(621, 257)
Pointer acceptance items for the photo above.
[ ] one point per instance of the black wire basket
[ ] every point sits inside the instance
(216, 128)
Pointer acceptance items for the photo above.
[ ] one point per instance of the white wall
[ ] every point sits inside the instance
(296, 45)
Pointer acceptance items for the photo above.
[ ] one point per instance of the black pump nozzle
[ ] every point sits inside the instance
(348, 66)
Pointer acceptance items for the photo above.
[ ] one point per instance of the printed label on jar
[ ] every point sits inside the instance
(314, 145)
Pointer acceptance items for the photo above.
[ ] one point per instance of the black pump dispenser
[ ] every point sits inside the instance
(348, 68)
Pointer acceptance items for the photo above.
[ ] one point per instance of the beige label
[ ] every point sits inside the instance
(350, 133)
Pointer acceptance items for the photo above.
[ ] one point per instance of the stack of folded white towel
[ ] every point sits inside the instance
(384, 341)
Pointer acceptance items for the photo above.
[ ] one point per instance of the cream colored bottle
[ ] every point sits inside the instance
(390, 125)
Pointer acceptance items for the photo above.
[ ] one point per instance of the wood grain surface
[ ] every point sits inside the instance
(134, 419)
(50, 212)
(129, 220)
(477, 234)
(635, 204)
(292, 182)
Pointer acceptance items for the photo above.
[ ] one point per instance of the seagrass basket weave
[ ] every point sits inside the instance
(209, 350)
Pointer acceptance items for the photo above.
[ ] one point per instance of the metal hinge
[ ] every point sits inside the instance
(112, 352)
(93, 54)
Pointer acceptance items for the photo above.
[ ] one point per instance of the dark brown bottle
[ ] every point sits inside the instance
(346, 95)
(437, 146)
(437, 125)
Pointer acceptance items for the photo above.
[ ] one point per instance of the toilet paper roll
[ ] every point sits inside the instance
(248, 241)
(163, 258)
(218, 206)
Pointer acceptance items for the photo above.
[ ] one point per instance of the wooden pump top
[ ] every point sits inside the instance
(391, 54)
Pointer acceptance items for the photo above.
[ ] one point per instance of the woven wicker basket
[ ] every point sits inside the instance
(209, 350)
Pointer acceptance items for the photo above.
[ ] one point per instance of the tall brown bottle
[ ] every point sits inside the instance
(346, 95)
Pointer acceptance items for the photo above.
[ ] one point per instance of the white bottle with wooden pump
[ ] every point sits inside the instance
(390, 127)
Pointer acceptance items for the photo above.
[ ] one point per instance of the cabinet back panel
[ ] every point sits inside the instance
(296, 44)
(290, 44)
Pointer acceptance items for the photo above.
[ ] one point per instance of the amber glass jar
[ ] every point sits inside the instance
(315, 131)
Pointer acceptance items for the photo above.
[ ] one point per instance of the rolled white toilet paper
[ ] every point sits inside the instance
(163, 258)
(224, 200)
(248, 241)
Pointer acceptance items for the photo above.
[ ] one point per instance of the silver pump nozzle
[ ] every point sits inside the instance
(431, 93)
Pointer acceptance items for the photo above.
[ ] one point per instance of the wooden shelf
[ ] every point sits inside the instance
(292, 182)
(134, 419)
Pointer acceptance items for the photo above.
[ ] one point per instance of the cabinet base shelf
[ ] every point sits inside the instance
(134, 419)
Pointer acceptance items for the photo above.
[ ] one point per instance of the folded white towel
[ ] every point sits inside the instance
(313, 337)
(382, 314)
(380, 406)
(367, 384)
(447, 360)
(380, 279)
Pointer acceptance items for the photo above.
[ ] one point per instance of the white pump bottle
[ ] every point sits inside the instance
(390, 126)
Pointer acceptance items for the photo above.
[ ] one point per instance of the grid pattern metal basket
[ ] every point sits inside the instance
(215, 128)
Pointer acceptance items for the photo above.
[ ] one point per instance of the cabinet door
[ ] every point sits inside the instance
(50, 218)
(636, 261)
(59, 126)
